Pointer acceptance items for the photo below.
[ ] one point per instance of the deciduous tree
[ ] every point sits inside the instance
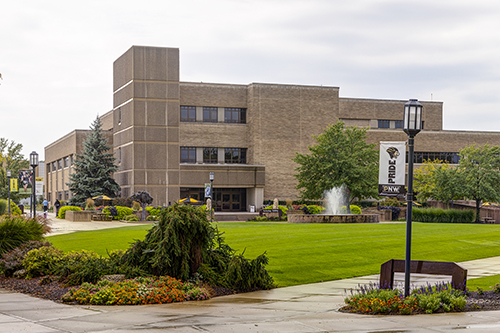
(341, 156)
(10, 159)
(481, 169)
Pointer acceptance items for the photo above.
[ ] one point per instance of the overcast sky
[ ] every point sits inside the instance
(56, 57)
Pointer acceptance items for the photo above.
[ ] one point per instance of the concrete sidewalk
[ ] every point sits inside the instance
(304, 308)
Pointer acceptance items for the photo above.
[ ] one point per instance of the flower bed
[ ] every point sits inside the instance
(429, 299)
(142, 290)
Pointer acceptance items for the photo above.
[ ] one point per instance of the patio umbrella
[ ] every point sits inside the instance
(102, 197)
(189, 200)
(414, 203)
(491, 204)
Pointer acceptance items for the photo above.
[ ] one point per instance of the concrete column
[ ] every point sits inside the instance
(199, 155)
(199, 113)
(220, 115)
(220, 155)
(255, 197)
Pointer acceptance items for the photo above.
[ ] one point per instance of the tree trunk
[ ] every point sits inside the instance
(478, 210)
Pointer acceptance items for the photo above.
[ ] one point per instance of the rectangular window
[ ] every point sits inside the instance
(188, 113)
(59, 164)
(66, 195)
(48, 167)
(209, 155)
(66, 161)
(188, 154)
(209, 114)
(399, 124)
(384, 123)
(235, 155)
(54, 166)
(235, 115)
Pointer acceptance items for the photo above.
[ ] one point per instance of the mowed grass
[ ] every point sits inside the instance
(307, 253)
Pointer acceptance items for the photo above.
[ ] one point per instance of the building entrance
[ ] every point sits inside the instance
(225, 199)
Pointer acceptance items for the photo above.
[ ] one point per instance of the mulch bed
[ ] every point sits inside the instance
(48, 288)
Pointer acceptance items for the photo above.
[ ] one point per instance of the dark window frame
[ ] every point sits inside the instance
(210, 155)
(210, 114)
(235, 115)
(235, 155)
(188, 154)
(188, 113)
(384, 123)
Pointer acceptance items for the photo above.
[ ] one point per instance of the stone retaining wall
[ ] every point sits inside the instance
(311, 218)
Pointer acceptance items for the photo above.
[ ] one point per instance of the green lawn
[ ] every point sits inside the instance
(306, 253)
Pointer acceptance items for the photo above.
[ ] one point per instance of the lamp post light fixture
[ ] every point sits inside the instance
(34, 164)
(412, 124)
(211, 177)
(8, 177)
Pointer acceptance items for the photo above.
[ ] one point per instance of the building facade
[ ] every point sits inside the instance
(168, 135)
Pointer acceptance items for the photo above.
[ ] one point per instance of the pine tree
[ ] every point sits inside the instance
(93, 168)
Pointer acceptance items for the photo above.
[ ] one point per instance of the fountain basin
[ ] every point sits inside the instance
(337, 218)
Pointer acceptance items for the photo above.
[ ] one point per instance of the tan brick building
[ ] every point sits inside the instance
(168, 135)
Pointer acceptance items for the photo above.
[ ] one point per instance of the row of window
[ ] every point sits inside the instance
(385, 123)
(420, 157)
(211, 114)
(64, 162)
(211, 155)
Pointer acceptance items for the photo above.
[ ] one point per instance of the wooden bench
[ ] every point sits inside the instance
(457, 272)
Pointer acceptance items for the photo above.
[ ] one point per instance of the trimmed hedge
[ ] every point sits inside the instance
(63, 209)
(439, 215)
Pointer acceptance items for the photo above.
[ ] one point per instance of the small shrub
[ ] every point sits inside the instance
(14, 231)
(89, 204)
(12, 261)
(136, 206)
(123, 202)
(131, 217)
(63, 209)
(42, 261)
(354, 209)
(121, 212)
(14, 209)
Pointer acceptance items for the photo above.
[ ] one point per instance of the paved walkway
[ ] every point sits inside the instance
(305, 308)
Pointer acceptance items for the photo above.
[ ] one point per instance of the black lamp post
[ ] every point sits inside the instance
(412, 124)
(211, 177)
(8, 177)
(34, 164)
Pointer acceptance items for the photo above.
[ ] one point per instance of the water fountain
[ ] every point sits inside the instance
(335, 201)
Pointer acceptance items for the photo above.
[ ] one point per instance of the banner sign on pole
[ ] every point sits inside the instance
(391, 177)
(208, 190)
(13, 184)
(38, 186)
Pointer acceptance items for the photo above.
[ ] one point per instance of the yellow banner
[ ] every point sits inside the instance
(39, 179)
(13, 184)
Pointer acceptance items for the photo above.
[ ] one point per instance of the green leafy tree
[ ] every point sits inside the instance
(10, 159)
(481, 171)
(93, 168)
(341, 156)
(439, 181)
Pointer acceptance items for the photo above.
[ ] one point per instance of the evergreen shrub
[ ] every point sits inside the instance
(4, 204)
(439, 215)
(184, 243)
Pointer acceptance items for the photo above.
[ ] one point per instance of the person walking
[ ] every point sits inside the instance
(57, 204)
(45, 207)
